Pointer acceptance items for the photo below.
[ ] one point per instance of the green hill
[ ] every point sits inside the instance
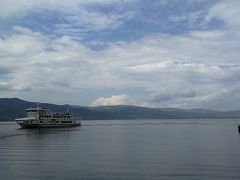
(11, 108)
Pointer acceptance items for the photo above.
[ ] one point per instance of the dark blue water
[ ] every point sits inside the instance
(126, 149)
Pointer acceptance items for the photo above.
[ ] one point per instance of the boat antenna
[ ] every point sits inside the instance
(38, 103)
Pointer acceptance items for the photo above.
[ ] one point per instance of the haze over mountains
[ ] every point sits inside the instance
(10, 108)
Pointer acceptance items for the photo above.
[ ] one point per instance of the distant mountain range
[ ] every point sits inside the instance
(10, 108)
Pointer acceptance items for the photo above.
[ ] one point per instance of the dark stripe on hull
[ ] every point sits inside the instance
(48, 125)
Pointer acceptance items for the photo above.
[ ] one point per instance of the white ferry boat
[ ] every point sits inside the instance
(39, 117)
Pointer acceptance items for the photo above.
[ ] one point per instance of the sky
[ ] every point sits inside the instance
(155, 53)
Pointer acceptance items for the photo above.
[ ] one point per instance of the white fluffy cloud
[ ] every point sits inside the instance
(161, 65)
(121, 99)
(227, 11)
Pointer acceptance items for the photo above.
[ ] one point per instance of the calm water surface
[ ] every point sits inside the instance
(126, 149)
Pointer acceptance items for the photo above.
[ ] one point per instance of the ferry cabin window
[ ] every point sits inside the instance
(31, 111)
(65, 121)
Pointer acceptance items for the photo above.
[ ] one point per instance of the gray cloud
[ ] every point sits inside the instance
(166, 96)
(154, 63)
(5, 70)
(195, 69)
(12, 7)
(6, 86)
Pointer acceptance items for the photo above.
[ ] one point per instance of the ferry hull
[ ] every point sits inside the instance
(48, 125)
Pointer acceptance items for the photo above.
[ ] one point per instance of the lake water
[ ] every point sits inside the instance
(123, 149)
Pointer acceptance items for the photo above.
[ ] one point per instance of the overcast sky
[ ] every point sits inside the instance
(155, 53)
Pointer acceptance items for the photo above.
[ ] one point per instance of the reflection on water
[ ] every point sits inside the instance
(126, 149)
